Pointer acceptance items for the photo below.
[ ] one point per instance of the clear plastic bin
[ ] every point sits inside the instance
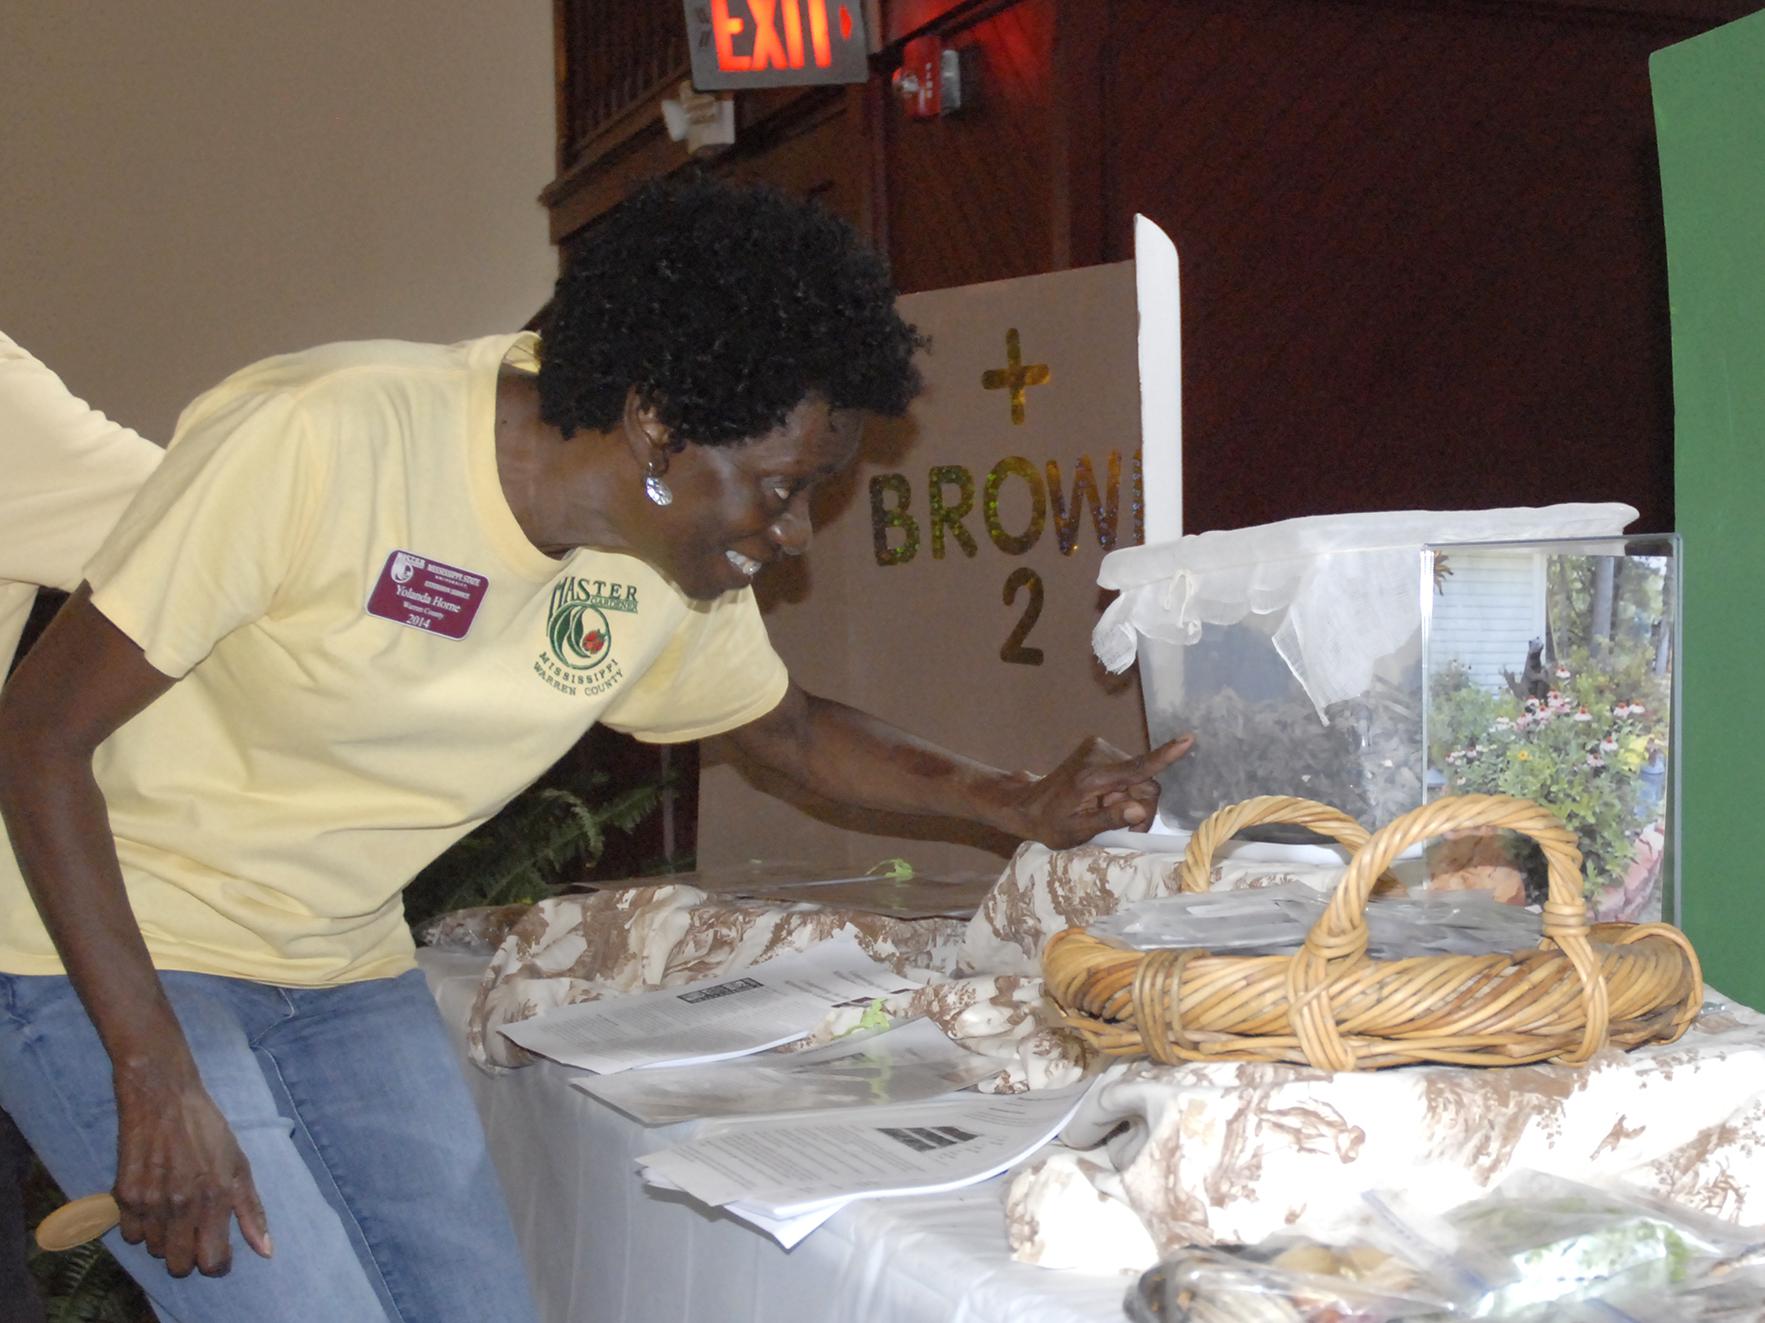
(1294, 652)
(1257, 732)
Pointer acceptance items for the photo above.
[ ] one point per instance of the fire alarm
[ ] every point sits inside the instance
(931, 81)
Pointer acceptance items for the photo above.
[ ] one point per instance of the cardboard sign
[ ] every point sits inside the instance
(951, 588)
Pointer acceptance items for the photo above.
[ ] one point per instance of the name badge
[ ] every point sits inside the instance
(427, 595)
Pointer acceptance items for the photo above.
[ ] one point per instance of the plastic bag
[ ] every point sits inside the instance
(1274, 920)
(1538, 1243)
(1538, 1249)
(476, 931)
(1286, 1279)
(1346, 589)
(1263, 921)
(1724, 1297)
(1447, 923)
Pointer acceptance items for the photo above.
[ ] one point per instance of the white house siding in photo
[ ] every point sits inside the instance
(1486, 612)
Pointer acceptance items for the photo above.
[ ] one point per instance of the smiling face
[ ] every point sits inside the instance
(739, 507)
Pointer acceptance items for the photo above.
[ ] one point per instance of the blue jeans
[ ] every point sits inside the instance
(363, 1141)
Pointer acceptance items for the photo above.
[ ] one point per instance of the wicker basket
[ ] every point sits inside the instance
(1585, 986)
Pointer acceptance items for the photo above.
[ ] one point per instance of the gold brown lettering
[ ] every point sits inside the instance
(950, 516)
(883, 518)
(1015, 466)
(1104, 510)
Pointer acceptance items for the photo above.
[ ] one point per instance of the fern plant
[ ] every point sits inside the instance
(81, 1285)
(555, 829)
(86, 1285)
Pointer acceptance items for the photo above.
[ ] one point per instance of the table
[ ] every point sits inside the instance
(603, 1248)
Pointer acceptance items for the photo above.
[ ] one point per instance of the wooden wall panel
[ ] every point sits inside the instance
(816, 150)
(612, 56)
(968, 198)
(1421, 245)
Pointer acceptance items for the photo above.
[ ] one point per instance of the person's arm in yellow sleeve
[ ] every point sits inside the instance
(181, 1176)
(847, 756)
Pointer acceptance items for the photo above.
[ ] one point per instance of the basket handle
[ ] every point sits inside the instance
(1341, 931)
(1196, 871)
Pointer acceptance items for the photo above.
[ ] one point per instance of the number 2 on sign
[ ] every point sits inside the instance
(1014, 651)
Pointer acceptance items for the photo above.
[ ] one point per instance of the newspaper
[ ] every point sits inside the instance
(788, 1175)
(910, 1063)
(732, 1015)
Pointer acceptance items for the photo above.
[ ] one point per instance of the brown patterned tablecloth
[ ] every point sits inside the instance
(987, 990)
(1161, 1157)
(1235, 1152)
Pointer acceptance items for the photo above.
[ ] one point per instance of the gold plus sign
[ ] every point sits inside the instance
(1015, 375)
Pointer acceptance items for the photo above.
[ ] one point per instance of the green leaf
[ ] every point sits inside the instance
(555, 829)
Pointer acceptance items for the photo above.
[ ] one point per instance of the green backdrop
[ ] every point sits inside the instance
(1710, 116)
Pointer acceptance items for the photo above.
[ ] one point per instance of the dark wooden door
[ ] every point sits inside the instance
(970, 198)
(1421, 243)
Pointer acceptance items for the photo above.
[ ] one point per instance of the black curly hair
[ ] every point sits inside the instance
(724, 306)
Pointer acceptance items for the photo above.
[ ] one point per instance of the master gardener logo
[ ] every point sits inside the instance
(578, 656)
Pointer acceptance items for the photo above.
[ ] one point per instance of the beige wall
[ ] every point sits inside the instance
(188, 185)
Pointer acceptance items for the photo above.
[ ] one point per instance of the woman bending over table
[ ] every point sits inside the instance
(373, 591)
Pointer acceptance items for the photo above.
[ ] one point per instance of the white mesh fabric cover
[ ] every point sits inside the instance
(1350, 585)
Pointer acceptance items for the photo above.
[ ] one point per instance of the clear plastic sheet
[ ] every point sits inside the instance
(1274, 921)
(1343, 590)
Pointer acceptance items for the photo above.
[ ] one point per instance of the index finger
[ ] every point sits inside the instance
(1147, 765)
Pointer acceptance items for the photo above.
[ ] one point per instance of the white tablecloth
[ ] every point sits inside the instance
(604, 1249)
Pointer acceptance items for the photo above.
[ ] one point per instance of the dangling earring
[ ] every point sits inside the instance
(658, 491)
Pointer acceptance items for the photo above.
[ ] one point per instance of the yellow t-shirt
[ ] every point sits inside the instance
(66, 472)
(373, 660)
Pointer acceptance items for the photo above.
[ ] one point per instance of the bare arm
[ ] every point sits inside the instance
(848, 756)
(180, 1174)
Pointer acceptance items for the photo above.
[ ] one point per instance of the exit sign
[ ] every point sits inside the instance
(776, 43)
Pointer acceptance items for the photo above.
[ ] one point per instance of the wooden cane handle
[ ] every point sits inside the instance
(77, 1222)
